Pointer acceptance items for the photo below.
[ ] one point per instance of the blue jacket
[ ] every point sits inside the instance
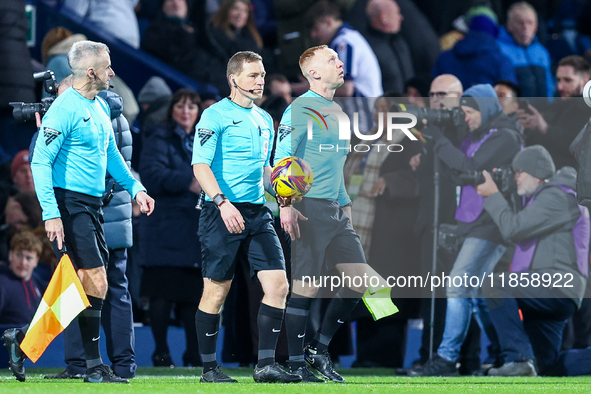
(474, 60)
(532, 65)
(168, 237)
(18, 299)
(117, 215)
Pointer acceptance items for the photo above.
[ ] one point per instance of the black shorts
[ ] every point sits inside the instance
(258, 241)
(326, 239)
(82, 217)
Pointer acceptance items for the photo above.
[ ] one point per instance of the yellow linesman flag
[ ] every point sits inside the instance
(63, 300)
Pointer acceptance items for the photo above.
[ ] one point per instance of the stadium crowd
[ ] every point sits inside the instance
(510, 73)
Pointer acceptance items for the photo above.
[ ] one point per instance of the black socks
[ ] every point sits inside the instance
(337, 313)
(296, 319)
(89, 321)
(207, 326)
(269, 321)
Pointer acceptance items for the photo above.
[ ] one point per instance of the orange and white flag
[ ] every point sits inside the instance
(63, 300)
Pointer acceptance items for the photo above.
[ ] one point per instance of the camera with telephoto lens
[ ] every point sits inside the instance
(503, 177)
(438, 117)
(26, 111)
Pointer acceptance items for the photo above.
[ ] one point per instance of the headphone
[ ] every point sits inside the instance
(96, 77)
(251, 91)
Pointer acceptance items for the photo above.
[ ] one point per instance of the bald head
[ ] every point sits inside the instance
(522, 23)
(446, 90)
(384, 15)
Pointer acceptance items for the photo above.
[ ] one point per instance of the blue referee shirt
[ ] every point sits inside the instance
(75, 148)
(236, 143)
(327, 163)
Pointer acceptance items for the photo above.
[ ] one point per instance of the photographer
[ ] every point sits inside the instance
(492, 142)
(552, 235)
(445, 93)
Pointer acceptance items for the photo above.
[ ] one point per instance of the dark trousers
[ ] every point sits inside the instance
(577, 334)
(117, 320)
(539, 335)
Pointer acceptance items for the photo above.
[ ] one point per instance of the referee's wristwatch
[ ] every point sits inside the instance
(219, 199)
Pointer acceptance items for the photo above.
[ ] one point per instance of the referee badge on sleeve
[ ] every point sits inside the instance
(50, 135)
(204, 135)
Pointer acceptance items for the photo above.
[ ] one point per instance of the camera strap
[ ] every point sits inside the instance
(472, 147)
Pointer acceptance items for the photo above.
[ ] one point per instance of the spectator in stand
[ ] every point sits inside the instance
(54, 53)
(509, 95)
(476, 59)
(558, 124)
(233, 30)
(23, 210)
(23, 213)
(461, 23)
(392, 51)
(17, 78)
(54, 50)
(173, 39)
(116, 17)
(171, 251)
(363, 76)
(417, 91)
(154, 99)
(19, 291)
(530, 59)
(20, 172)
(278, 85)
(424, 47)
(208, 99)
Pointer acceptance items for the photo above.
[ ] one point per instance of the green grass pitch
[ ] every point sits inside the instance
(359, 381)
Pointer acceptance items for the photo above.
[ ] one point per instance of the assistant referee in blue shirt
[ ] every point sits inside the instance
(75, 148)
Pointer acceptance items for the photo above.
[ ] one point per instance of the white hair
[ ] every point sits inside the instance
(83, 54)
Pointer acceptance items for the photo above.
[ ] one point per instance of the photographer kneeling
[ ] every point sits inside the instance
(552, 258)
(493, 142)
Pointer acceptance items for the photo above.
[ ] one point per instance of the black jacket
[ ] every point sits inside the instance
(393, 56)
(176, 43)
(565, 119)
(15, 67)
(18, 298)
(168, 237)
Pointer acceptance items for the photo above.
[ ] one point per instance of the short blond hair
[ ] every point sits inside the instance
(308, 55)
